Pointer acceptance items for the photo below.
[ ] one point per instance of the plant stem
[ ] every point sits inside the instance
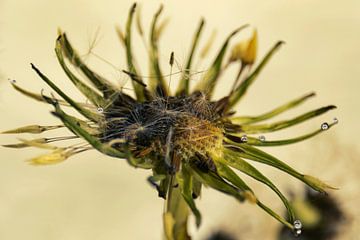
(176, 207)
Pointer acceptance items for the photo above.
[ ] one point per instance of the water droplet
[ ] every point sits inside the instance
(297, 233)
(297, 224)
(336, 120)
(100, 110)
(244, 138)
(262, 138)
(297, 227)
(325, 126)
(12, 80)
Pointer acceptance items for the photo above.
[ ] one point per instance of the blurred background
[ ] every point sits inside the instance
(92, 196)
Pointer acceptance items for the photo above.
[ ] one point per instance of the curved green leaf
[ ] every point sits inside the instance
(72, 123)
(85, 112)
(89, 93)
(138, 87)
(207, 84)
(157, 81)
(272, 113)
(257, 142)
(214, 181)
(99, 82)
(233, 159)
(226, 172)
(185, 78)
(255, 154)
(271, 127)
(236, 95)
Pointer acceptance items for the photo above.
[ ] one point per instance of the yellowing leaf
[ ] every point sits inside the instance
(317, 184)
(57, 156)
(37, 143)
(32, 129)
(24, 145)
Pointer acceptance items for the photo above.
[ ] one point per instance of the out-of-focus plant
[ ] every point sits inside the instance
(184, 137)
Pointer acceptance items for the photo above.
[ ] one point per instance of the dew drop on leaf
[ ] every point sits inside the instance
(297, 227)
(324, 126)
(297, 224)
(262, 138)
(244, 138)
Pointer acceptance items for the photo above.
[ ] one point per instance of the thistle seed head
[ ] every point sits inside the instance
(144, 127)
(187, 139)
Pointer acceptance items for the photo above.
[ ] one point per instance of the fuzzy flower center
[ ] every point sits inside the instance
(187, 126)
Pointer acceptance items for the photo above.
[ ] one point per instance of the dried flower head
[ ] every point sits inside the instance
(187, 139)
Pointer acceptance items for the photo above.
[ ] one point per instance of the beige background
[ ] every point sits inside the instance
(94, 197)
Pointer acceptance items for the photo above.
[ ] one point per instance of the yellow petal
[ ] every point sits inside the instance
(245, 51)
(250, 54)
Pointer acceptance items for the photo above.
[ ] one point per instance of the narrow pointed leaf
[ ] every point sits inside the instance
(232, 177)
(99, 82)
(38, 97)
(207, 84)
(257, 142)
(242, 88)
(38, 144)
(138, 21)
(272, 113)
(35, 129)
(275, 215)
(271, 127)
(89, 93)
(24, 145)
(138, 87)
(232, 158)
(226, 172)
(57, 156)
(85, 112)
(213, 180)
(157, 81)
(161, 28)
(255, 154)
(185, 78)
(73, 125)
